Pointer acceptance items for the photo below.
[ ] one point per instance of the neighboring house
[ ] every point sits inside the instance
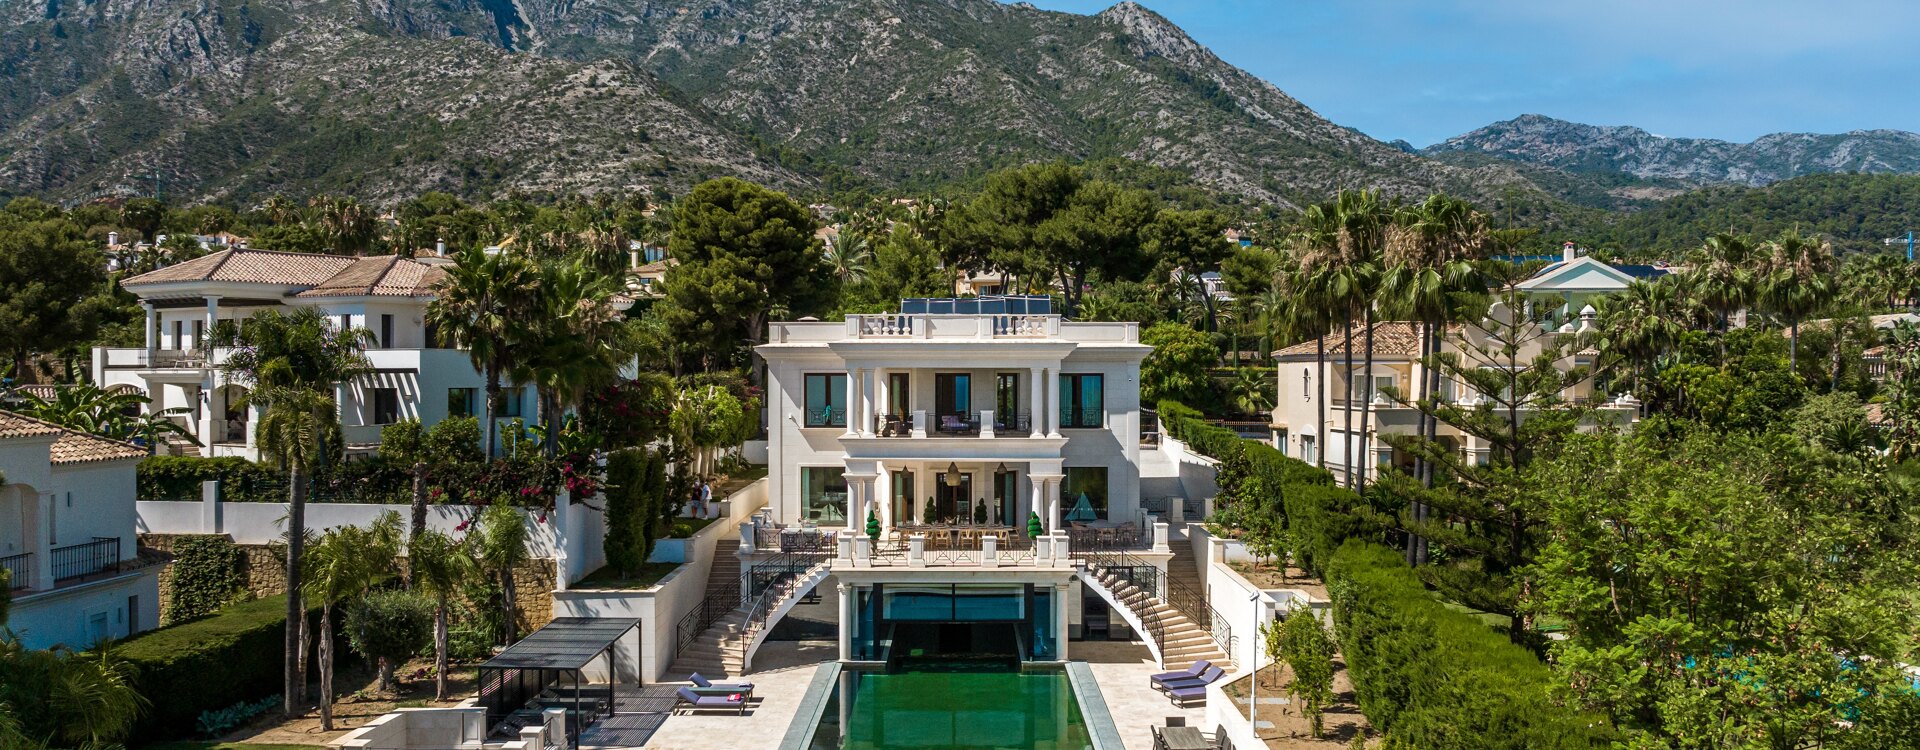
(1216, 286)
(979, 283)
(1396, 365)
(1579, 280)
(67, 536)
(951, 406)
(385, 295)
(649, 279)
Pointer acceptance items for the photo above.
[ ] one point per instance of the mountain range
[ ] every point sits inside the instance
(1623, 150)
(384, 99)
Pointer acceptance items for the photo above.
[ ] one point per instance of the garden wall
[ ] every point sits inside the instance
(661, 606)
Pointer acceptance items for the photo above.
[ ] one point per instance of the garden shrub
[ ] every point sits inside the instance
(179, 478)
(390, 627)
(206, 576)
(211, 663)
(1436, 678)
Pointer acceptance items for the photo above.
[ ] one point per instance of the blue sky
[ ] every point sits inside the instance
(1428, 70)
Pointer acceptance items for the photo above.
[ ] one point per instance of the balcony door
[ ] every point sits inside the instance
(953, 401)
(902, 497)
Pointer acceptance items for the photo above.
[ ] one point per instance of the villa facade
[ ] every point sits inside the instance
(387, 296)
(67, 536)
(963, 416)
(1304, 427)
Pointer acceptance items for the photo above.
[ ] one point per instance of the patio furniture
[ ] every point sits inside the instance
(1205, 678)
(695, 701)
(704, 686)
(1181, 738)
(1189, 673)
(1184, 695)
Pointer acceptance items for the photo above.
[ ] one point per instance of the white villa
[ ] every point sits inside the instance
(1577, 280)
(954, 414)
(67, 536)
(386, 295)
(1299, 432)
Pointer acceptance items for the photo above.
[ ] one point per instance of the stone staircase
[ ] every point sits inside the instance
(721, 650)
(1183, 642)
(717, 653)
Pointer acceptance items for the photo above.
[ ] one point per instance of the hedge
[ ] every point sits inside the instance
(1315, 512)
(179, 478)
(209, 664)
(1436, 678)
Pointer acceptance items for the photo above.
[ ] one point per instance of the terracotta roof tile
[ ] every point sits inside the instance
(1390, 339)
(380, 276)
(255, 266)
(71, 446)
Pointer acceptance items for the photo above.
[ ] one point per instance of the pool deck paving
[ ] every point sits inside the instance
(1122, 670)
(783, 671)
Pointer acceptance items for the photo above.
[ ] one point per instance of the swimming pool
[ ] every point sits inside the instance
(934, 709)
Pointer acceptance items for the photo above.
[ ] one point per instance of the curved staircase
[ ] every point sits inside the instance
(725, 647)
(1180, 642)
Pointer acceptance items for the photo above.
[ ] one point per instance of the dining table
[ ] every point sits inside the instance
(1183, 738)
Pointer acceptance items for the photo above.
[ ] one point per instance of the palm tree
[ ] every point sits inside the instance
(348, 226)
(1250, 391)
(574, 343)
(91, 409)
(481, 306)
(503, 547)
(347, 561)
(1346, 239)
(1308, 316)
(1723, 275)
(439, 566)
(849, 256)
(293, 361)
(1641, 323)
(280, 211)
(1798, 282)
(1270, 309)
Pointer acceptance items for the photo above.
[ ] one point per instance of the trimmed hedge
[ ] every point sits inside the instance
(1316, 513)
(209, 664)
(179, 478)
(1435, 678)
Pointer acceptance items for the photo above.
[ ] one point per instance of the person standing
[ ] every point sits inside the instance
(706, 497)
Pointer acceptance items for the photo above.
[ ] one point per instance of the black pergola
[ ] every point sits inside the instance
(544, 670)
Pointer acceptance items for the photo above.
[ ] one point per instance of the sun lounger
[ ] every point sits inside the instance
(1206, 678)
(689, 698)
(1184, 695)
(706, 685)
(1185, 674)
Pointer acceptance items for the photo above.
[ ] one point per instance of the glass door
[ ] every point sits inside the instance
(953, 504)
(953, 401)
(1006, 403)
(902, 498)
(1005, 497)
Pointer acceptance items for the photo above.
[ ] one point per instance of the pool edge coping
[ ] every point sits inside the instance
(1093, 707)
(806, 722)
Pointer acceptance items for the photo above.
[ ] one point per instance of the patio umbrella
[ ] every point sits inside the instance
(1082, 510)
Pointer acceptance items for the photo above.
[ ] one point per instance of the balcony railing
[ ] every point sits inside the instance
(829, 416)
(1011, 425)
(893, 425)
(100, 556)
(1075, 417)
(19, 567)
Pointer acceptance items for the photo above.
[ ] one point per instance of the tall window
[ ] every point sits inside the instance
(386, 331)
(899, 394)
(953, 394)
(823, 495)
(460, 402)
(199, 332)
(386, 405)
(1082, 401)
(826, 395)
(1083, 494)
(903, 497)
(1308, 451)
(1006, 397)
(509, 402)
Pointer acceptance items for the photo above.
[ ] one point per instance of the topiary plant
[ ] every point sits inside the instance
(1034, 528)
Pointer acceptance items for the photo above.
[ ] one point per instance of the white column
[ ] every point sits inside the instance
(1060, 592)
(881, 404)
(42, 537)
(853, 401)
(149, 337)
(1035, 411)
(883, 495)
(1039, 494)
(1053, 403)
(1053, 505)
(213, 315)
(854, 516)
(866, 403)
(847, 621)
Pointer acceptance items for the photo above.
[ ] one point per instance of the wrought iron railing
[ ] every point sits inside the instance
(742, 591)
(827, 416)
(768, 584)
(1081, 417)
(1125, 537)
(1184, 599)
(893, 425)
(1017, 424)
(102, 555)
(18, 568)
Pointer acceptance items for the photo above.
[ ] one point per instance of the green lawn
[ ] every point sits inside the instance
(605, 578)
(684, 528)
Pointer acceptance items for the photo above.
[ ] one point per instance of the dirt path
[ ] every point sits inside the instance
(358, 704)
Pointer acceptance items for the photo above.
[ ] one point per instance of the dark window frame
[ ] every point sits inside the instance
(833, 392)
(1072, 415)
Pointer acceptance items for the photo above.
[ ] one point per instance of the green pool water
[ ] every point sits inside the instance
(931, 709)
